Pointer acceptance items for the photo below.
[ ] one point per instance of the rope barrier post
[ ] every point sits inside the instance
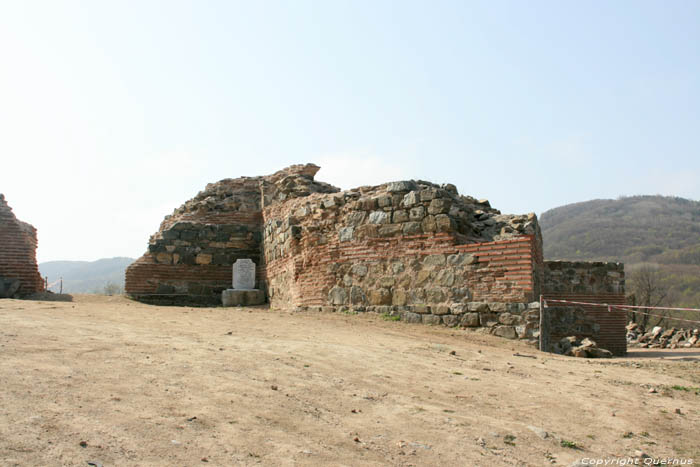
(543, 331)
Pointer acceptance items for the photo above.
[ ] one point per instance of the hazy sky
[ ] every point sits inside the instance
(114, 113)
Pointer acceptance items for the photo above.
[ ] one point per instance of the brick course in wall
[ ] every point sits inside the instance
(18, 243)
(496, 271)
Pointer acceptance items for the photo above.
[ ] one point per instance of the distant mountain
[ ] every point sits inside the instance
(86, 276)
(637, 229)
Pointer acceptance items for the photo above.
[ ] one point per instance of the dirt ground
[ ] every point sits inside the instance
(114, 382)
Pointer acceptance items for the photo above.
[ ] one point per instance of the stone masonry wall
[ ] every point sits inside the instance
(594, 282)
(18, 242)
(412, 249)
(189, 259)
(404, 248)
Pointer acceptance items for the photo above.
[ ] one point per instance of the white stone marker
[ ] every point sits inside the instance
(244, 274)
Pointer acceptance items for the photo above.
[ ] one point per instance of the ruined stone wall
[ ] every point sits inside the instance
(591, 282)
(403, 248)
(412, 249)
(192, 253)
(19, 272)
(189, 259)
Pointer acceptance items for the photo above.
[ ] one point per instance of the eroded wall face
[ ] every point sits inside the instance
(426, 278)
(18, 243)
(189, 259)
(411, 249)
(392, 253)
(403, 271)
(589, 282)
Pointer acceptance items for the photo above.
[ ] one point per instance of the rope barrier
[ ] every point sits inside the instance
(623, 306)
(657, 316)
(630, 308)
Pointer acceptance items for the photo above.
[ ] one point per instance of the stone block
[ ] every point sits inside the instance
(411, 317)
(488, 319)
(188, 235)
(428, 194)
(399, 216)
(367, 204)
(422, 277)
(165, 258)
(345, 234)
(460, 259)
(431, 319)
(417, 213)
(203, 258)
(329, 202)
(428, 224)
(435, 295)
(416, 295)
(441, 310)
(470, 319)
(355, 218)
(380, 297)
(233, 297)
(481, 307)
(338, 296)
(451, 320)
(390, 230)
(399, 297)
(411, 228)
(410, 199)
(357, 296)
(378, 217)
(421, 309)
(384, 201)
(359, 270)
(509, 319)
(439, 206)
(505, 331)
(366, 231)
(171, 234)
(400, 186)
(460, 294)
(446, 278)
(386, 281)
(434, 260)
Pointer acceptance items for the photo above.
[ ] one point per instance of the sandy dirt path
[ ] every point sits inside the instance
(115, 382)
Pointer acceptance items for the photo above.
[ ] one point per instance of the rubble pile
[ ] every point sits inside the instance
(660, 338)
(573, 346)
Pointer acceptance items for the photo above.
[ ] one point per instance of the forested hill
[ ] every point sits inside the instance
(634, 229)
(637, 229)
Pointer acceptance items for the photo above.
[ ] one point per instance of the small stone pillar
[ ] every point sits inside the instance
(243, 292)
